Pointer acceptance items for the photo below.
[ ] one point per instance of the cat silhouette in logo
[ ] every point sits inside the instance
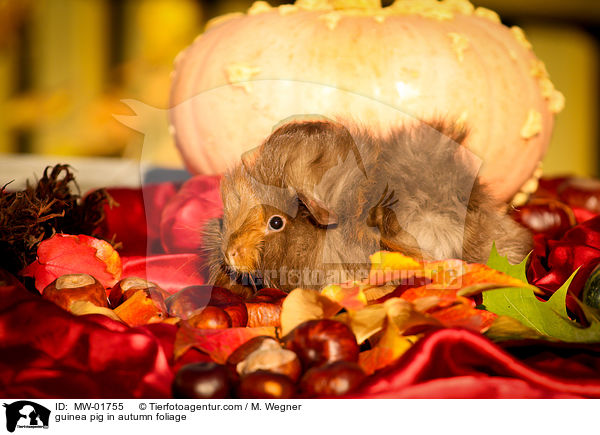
(25, 413)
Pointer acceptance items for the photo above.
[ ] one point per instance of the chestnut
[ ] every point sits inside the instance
(192, 300)
(242, 352)
(232, 304)
(202, 380)
(127, 286)
(322, 341)
(188, 301)
(269, 295)
(334, 379)
(266, 385)
(581, 192)
(75, 287)
(269, 356)
(545, 216)
(264, 307)
(210, 318)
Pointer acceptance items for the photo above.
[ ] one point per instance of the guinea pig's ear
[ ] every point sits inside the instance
(317, 208)
(249, 158)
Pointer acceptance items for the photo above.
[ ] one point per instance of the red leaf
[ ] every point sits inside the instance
(64, 254)
(445, 297)
(464, 314)
(217, 343)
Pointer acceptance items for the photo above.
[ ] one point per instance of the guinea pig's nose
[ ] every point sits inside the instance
(235, 254)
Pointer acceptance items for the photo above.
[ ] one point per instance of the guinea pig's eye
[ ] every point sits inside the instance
(276, 223)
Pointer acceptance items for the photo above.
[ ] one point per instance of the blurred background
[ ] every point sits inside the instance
(65, 66)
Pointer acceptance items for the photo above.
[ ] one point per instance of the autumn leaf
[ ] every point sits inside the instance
(449, 274)
(382, 356)
(501, 264)
(366, 322)
(463, 314)
(445, 297)
(372, 319)
(105, 253)
(64, 254)
(302, 305)
(547, 318)
(403, 315)
(217, 343)
(81, 308)
(391, 266)
(374, 359)
(349, 296)
(506, 328)
(479, 277)
(395, 316)
(143, 307)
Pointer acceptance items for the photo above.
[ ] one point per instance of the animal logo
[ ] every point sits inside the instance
(26, 414)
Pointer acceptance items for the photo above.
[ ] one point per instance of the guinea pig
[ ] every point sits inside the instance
(309, 206)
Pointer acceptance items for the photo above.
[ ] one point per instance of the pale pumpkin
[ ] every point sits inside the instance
(414, 60)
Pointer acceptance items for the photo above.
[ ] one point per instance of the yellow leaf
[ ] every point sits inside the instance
(372, 293)
(391, 266)
(302, 305)
(402, 315)
(366, 322)
(81, 308)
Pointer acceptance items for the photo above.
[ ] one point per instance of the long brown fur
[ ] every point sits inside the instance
(346, 194)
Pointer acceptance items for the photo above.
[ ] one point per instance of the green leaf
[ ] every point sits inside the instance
(547, 318)
(506, 328)
(500, 263)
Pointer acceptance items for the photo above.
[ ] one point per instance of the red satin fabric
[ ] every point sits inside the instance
(47, 352)
(457, 363)
(172, 271)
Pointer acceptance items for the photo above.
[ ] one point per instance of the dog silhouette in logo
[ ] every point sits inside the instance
(26, 413)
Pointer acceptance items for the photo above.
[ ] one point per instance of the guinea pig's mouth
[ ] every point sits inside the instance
(252, 279)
